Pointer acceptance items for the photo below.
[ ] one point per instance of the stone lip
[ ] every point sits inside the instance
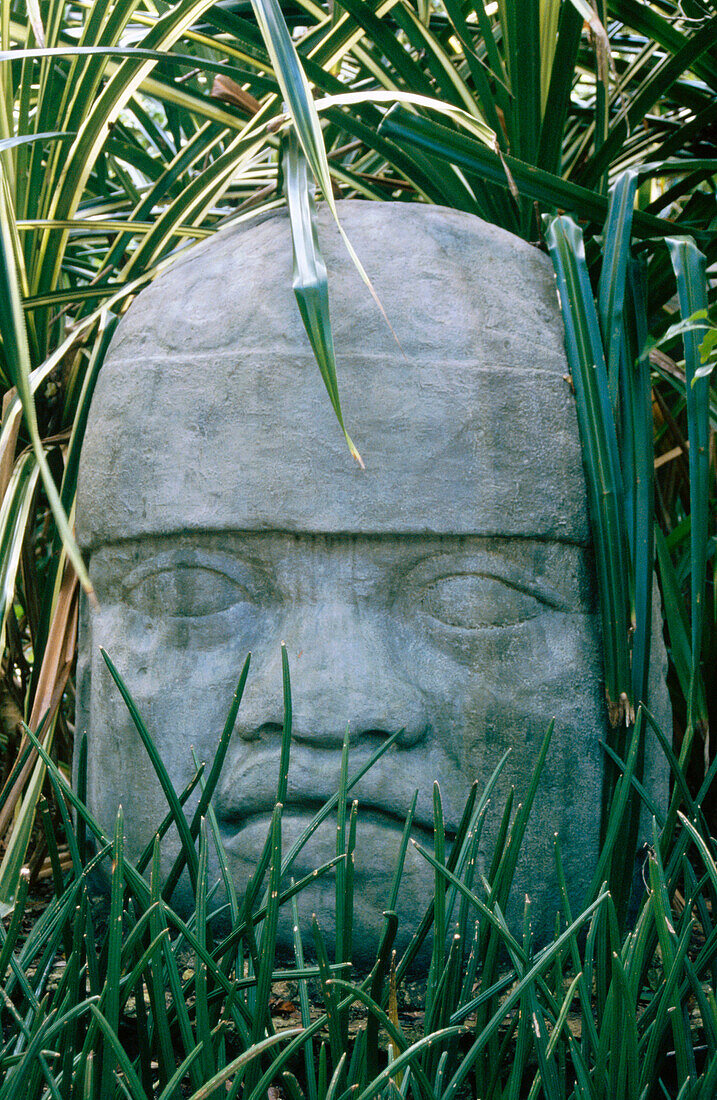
(218, 340)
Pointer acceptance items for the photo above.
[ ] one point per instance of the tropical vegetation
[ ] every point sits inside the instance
(151, 1003)
(131, 129)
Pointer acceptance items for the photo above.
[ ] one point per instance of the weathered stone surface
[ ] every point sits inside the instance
(447, 589)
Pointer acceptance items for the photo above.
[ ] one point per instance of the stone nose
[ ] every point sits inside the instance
(342, 673)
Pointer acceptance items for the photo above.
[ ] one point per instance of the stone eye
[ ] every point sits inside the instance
(470, 601)
(185, 591)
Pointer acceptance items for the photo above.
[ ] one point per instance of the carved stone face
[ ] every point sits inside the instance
(446, 590)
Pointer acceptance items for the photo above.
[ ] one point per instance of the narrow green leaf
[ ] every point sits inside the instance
(14, 515)
(171, 1089)
(406, 1058)
(204, 1034)
(472, 156)
(309, 1061)
(690, 271)
(300, 105)
(134, 1085)
(543, 962)
(639, 467)
(600, 456)
(611, 287)
(14, 854)
(310, 279)
(17, 357)
(262, 1021)
(28, 139)
(330, 999)
(379, 974)
(285, 754)
(111, 992)
(216, 1082)
(210, 785)
(165, 782)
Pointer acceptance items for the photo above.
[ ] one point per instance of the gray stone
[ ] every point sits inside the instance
(448, 589)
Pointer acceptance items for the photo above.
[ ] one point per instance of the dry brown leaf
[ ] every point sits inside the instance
(10, 715)
(669, 365)
(54, 672)
(668, 456)
(7, 457)
(229, 91)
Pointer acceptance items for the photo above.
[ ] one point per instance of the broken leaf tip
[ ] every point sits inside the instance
(355, 454)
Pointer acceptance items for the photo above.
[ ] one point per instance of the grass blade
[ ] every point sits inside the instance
(310, 283)
(245, 1059)
(17, 357)
(611, 287)
(690, 271)
(166, 784)
(111, 994)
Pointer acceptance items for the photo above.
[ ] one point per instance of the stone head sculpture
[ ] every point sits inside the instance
(446, 590)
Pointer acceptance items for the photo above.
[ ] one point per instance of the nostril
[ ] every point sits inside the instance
(408, 737)
(259, 733)
(414, 735)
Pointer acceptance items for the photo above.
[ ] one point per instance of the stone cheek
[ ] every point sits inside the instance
(447, 590)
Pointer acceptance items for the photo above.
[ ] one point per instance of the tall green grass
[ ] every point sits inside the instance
(606, 341)
(128, 998)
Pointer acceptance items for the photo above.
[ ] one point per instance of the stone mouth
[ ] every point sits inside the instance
(384, 794)
(308, 808)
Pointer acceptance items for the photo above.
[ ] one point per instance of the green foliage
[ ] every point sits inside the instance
(117, 150)
(606, 344)
(130, 998)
